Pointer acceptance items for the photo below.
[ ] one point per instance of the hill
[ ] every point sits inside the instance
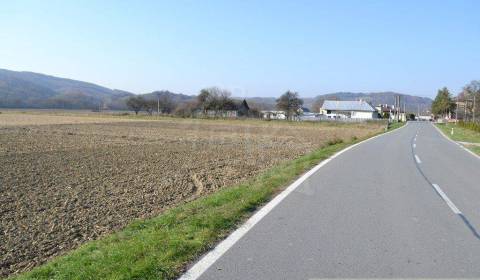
(177, 98)
(34, 90)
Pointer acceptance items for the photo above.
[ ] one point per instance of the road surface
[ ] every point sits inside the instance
(405, 204)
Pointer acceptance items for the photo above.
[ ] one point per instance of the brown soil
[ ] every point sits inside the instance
(66, 181)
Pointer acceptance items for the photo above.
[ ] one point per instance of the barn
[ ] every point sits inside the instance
(338, 109)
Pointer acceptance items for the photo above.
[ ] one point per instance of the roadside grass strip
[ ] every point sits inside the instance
(461, 134)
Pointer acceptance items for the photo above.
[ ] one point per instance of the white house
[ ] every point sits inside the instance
(337, 109)
(273, 115)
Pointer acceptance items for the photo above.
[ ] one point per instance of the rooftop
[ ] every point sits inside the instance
(338, 105)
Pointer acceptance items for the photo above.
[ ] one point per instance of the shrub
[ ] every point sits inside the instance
(186, 110)
(334, 141)
(470, 125)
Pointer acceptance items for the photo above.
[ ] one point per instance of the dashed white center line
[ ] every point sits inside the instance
(414, 146)
(447, 200)
(417, 159)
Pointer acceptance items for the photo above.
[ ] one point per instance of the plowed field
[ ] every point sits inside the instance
(67, 180)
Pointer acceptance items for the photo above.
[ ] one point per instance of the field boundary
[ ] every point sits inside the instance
(210, 258)
(455, 142)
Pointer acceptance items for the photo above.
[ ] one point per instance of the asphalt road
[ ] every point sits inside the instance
(406, 204)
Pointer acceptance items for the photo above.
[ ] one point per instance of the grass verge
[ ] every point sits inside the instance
(395, 125)
(161, 247)
(461, 134)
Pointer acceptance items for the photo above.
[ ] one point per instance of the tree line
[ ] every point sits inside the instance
(468, 101)
(215, 102)
(163, 104)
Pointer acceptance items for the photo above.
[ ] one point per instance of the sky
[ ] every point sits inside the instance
(252, 48)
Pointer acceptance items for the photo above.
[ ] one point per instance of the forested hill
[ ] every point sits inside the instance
(34, 90)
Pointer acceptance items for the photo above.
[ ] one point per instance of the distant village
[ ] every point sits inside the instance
(347, 110)
(217, 103)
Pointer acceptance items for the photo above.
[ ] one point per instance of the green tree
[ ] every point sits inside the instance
(291, 103)
(443, 103)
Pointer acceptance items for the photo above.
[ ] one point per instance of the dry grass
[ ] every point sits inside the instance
(69, 179)
(13, 118)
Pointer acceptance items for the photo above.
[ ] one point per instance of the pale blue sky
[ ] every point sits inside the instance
(253, 48)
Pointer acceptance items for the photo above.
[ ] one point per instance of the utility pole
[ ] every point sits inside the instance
(397, 109)
(473, 111)
(158, 105)
(456, 110)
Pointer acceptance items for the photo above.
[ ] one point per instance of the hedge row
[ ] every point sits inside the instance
(470, 125)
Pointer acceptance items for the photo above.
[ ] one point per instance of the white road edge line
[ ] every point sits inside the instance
(454, 142)
(210, 258)
(417, 159)
(447, 200)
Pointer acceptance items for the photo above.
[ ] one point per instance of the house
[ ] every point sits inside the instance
(230, 110)
(391, 112)
(424, 118)
(337, 109)
(385, 110)
(273, 115)
(243, 109)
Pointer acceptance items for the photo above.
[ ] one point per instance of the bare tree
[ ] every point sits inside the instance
(135, 103)
(215, 99)
(186, 109)
(150, 106)
(317, 104)
(471, 97)
(166, 104)
(291, 103)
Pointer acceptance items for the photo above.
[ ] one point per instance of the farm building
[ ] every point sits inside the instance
(391, 112)
(337, 109)
(273, 115)
(233, 110)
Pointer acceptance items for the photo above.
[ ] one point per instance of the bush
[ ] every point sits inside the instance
(334, 141)
(186, 110)
(470, 125)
